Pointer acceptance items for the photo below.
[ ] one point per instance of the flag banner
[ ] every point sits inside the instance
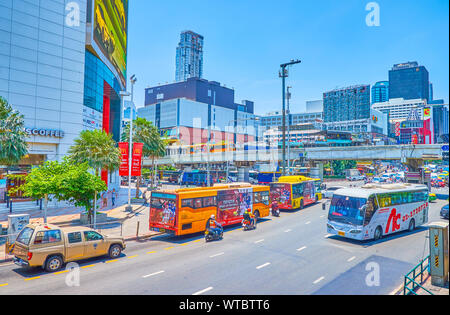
(136, 157)
(123, 169)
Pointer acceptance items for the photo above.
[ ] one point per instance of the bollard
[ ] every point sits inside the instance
(10, 206)
(40, 204)
(137, 230)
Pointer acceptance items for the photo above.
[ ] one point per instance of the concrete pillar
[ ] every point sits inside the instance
(243, 174)
(317, 170)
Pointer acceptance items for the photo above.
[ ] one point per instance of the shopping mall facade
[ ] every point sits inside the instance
(62, 65)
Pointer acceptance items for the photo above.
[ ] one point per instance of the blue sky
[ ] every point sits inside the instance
(247, 40)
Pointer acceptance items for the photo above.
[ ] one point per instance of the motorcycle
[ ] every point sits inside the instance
(211, 236)
(248, 225)
(275, 210)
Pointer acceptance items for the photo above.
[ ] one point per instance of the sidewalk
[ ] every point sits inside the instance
(130, 225)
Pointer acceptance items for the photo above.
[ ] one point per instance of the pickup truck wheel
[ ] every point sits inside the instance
(53, 263)
(114, 251)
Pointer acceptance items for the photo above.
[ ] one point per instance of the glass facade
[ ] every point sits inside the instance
(409, 81)
(347, 104)
(189, 60)
(380, 92)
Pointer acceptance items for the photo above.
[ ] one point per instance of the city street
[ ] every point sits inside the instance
(287, 255)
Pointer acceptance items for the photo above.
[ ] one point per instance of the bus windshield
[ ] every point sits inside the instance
(345, 209)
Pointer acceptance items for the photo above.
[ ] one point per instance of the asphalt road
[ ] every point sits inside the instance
(288, 255)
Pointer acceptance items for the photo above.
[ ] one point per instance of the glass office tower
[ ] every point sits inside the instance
(409, 81)
(189, 62)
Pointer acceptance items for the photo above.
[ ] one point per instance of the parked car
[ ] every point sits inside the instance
(329, 192)
(50, 247)
(444, 212)
(356, 177)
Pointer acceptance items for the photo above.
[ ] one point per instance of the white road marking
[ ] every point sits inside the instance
(287, 231)
(300, 249)
(309, 222)
(153, 274)
(203, 291)
(219, 254)
(259, 241)
(262, 266)
(352, 258)
(318, 280)
(322, 216)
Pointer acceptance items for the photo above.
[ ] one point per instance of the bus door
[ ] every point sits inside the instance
(163, 212)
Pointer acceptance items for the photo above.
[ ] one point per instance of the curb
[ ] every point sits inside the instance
(140, 237)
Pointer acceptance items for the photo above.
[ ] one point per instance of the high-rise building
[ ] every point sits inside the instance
(63, 69)
(409, 81)
(189, 62)
(193, 109)
(380, 92)
(399, 109)
(346, 104)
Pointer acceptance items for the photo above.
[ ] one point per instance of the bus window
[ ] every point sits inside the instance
(187, 203)
(265, 197)
(209, 201)
(297, 191)
(370, 210)
(198, 203)
(257, 197)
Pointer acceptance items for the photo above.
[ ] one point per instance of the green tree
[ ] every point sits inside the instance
(13, 146)
(99, 150)
(154, 146)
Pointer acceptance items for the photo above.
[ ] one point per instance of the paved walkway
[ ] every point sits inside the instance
(130, 225)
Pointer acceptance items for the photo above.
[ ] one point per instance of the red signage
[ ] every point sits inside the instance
(136, 157)
(123, 147)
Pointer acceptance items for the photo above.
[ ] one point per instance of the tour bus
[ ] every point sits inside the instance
(295, 192)
(375, 210)
(186, 211)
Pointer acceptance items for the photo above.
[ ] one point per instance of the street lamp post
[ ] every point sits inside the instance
(133, 80)
(288, 96)
(284, 75)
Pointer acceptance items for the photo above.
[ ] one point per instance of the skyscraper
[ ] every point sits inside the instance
(409, 81)
(380, 92)
(189, 56)
(345, 104)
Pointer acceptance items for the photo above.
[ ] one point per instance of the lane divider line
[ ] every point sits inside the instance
(151, 252)
(203, 291)
(61, 272)
(88, 266)
(4, 285)
(168, 248)
(262, 266)
(34, 278)
(302, 248)
(287, 231)
(131, 257)
(153, 274)
(309, 222)
(352, 258)
(318, 280)
(111, 261)
(219, 254)
(259, 241)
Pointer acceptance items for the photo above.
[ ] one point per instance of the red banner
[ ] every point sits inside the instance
(123, 147)
(136, 164)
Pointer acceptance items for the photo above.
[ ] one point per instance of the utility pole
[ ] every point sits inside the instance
(130, 153)
(288, 96)
(283, 75)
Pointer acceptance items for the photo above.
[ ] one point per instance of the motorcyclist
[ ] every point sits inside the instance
(248, 216)
(275, 207)
(214, 226)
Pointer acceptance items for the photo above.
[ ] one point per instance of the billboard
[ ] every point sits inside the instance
(231, 204)
(110, 34)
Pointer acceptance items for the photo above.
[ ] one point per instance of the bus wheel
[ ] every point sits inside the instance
(412, 225)
(378, 233)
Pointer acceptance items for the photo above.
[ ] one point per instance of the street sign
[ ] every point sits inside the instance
(445, 148)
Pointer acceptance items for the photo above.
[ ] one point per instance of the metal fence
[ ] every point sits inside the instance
(410, 284)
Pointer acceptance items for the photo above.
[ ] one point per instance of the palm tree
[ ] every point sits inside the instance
(154, 145)
(13, 146)
(98, 149)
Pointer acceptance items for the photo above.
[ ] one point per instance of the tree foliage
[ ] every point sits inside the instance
(98, 149)
(13, 146)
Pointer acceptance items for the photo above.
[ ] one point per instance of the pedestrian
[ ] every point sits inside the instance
(104, 199)
(113, 197)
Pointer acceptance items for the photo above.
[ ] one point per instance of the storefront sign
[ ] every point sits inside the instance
(45, 132)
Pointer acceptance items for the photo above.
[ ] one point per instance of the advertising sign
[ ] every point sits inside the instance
(110, 30)
(16, 222)
(281, 193)
(231, 204)
(136, 162)
(123, 169)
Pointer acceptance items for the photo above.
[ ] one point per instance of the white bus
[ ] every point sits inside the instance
(373, 211)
